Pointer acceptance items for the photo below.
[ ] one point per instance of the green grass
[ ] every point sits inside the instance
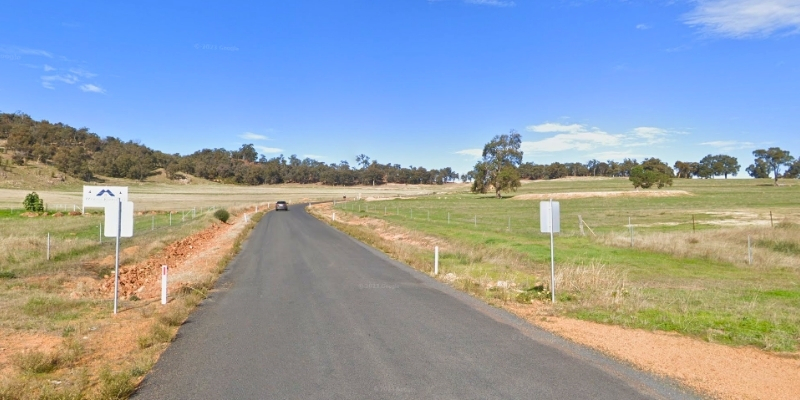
(686, 272)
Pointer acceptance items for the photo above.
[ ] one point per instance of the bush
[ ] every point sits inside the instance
(33, 203)
(222, 215)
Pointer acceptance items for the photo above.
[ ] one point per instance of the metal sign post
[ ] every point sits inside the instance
(116, 263)
(550, 218)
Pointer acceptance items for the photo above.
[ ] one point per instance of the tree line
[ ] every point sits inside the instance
(82, 154)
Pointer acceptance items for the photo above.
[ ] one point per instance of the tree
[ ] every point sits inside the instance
(651, 172)
(33, 203)
(773, 159)
(363, 160)
(794, 170)
(498, 168)
(685, 169)
(246, 153)
(718, 165)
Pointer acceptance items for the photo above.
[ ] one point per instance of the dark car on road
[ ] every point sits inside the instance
(281, 205)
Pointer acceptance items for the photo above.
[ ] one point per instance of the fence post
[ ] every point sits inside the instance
(749, 251)
(771, 222)
(48, 246)
(476, 220)
(153, 224)
(448, 217)
(170, 218)
(580, 225)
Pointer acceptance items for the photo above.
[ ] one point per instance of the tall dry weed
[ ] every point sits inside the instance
(723, 245)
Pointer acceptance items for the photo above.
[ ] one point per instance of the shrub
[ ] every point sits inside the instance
(222, 215)
(36, 362)
(33, 203)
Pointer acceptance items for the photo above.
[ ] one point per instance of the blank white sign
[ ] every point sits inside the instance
(112, 217)
(545, 213)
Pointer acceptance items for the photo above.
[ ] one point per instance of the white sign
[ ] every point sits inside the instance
(99, 196)
(112, 219)
(545, 213)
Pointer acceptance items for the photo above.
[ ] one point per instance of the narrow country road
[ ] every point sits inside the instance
(306, 312)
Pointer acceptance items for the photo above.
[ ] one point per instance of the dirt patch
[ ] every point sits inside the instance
(113, 340)
(720, 371)
(584, 195)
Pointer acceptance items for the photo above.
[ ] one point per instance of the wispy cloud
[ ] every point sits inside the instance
(48, 68)
(66, 78)
(268, 150)
(92, 88)
(643, 27)
(313, 156)
(745, 18)
(549, 127)
(474, 153)
(728, 145)
(253, 136)
(493, 3)
(573, 137)
(24, 51)
(594, 142)
(82, 73)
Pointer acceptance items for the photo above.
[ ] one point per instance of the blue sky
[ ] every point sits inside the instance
(414, 82)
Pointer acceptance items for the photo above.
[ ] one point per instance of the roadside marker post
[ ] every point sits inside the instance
(550, 221)
(48, 246)
(163, 284)
(436, 261)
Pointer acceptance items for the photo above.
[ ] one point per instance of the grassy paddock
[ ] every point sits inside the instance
(688, 269)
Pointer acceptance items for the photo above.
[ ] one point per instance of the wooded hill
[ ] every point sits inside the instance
(82, 154)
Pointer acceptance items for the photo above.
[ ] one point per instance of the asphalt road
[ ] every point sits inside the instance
(306, 312)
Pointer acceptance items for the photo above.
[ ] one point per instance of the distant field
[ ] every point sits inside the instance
(687, 271)
(155, 196)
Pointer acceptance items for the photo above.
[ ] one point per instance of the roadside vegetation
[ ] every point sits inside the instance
(688, 270)
(54, 305)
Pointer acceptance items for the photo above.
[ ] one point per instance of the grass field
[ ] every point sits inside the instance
(687, 271)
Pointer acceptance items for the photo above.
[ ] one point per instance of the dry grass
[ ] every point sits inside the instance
(771, 247)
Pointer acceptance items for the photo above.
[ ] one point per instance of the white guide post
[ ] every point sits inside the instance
(163, 284)
(436, 261)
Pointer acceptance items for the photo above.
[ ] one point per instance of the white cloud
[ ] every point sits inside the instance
(745, 18)
(493, 3)
(253, 136)
(31, 52)
(476, 153)
(592, 142)
(67, 78)
(83, 73)
(48, 85)
(267, 150)
(727, 145)
(313, 156)
(643, 27)
(555, 127)
(92, 88)
(48, 68)
(576, 141)
(649, 133)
